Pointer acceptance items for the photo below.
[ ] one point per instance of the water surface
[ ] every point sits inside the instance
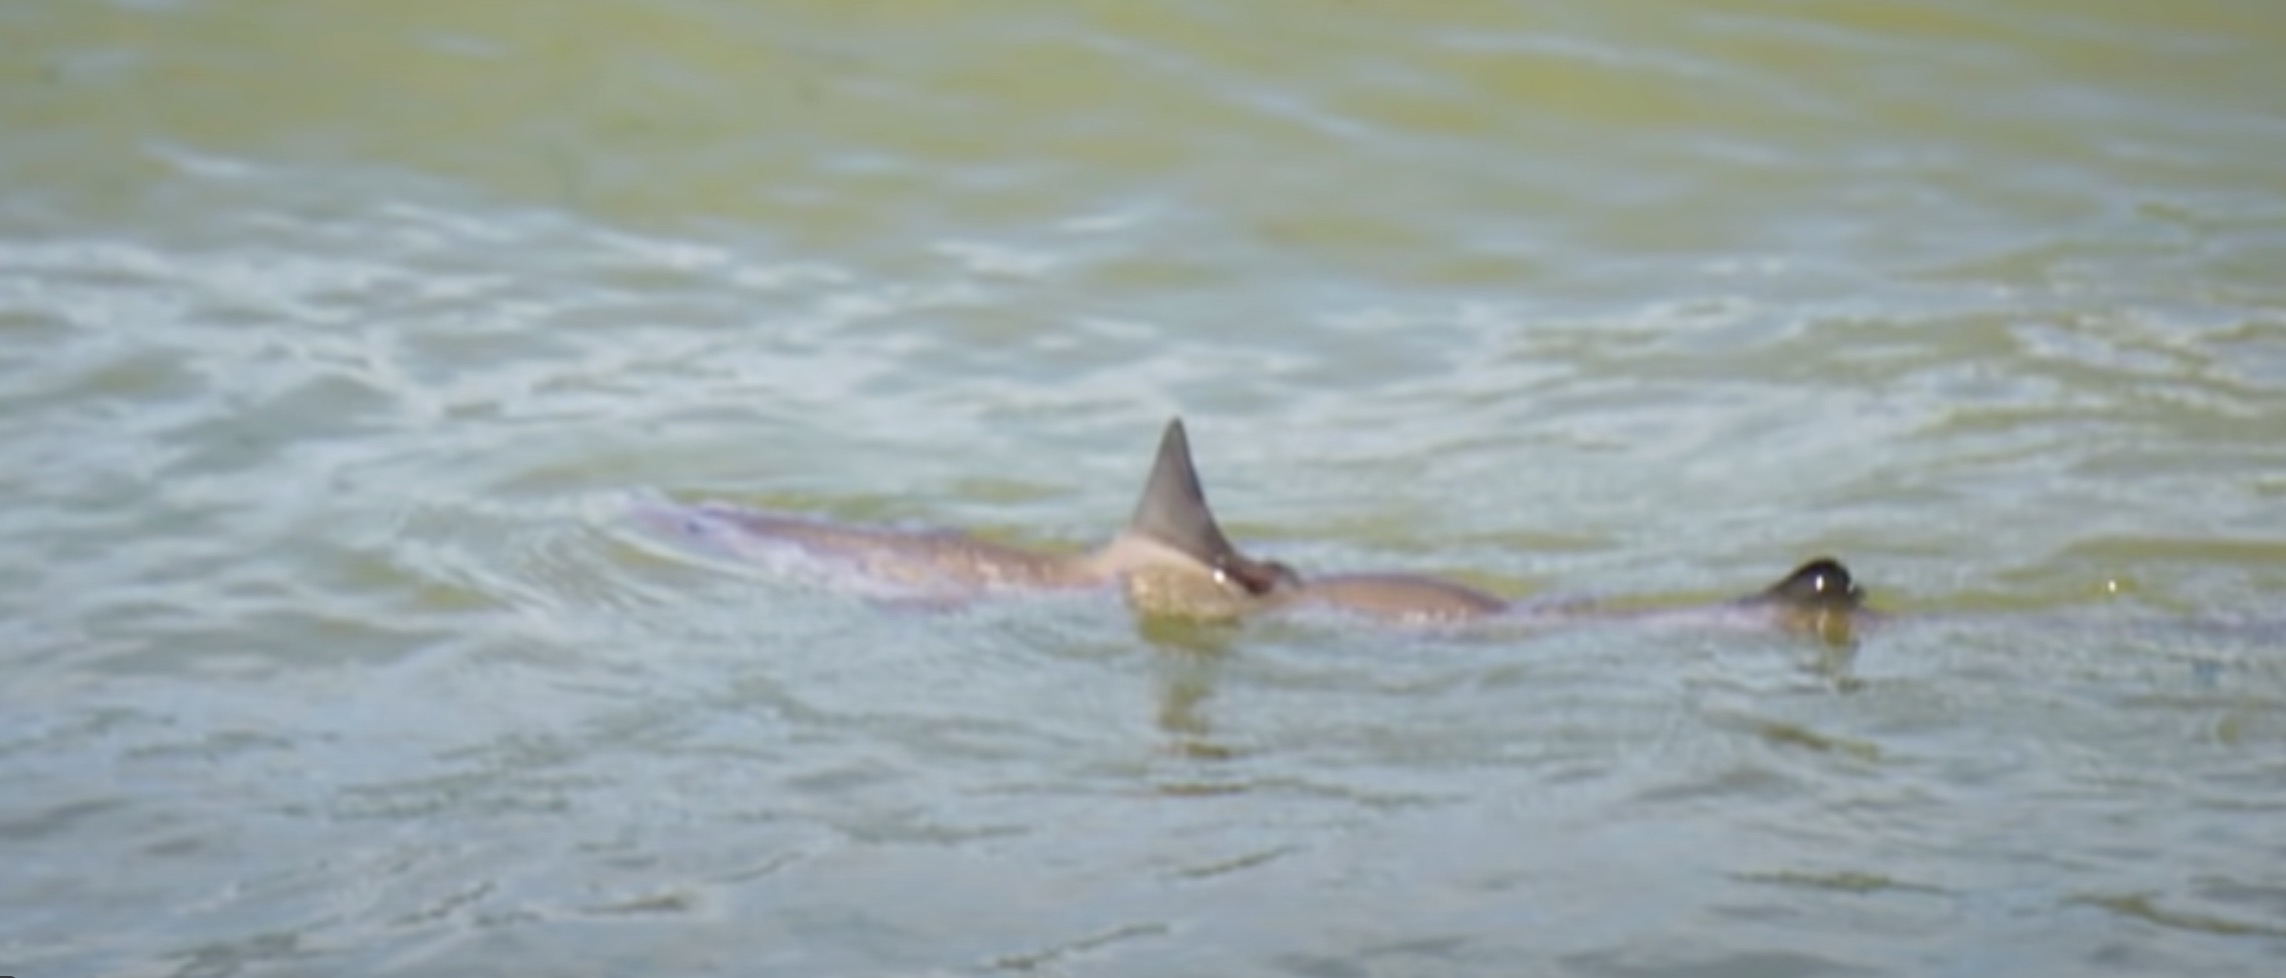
(339, 336)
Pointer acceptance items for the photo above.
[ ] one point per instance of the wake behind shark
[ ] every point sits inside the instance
(1171, 558)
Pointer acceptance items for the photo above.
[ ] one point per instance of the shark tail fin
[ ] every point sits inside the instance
(1173, 511)
(1822, 582)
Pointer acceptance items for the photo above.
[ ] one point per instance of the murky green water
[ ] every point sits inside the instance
(336, 334)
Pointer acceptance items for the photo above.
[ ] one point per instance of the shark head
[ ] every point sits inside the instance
(1173, 513)
(1821, 584)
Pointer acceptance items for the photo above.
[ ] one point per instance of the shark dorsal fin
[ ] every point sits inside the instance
(1173, 509)
(1822, 582)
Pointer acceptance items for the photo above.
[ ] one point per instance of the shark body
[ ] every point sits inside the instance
(1171, 558)
(1818, 597)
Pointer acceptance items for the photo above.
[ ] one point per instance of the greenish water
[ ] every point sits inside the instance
(337, 335)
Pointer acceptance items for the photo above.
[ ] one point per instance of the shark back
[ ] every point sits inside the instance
(1172, 539)
(914, 561)
(1397, 597)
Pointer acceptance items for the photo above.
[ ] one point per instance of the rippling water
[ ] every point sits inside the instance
(338, 337)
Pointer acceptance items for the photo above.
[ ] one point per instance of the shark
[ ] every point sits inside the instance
(1171, 558)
